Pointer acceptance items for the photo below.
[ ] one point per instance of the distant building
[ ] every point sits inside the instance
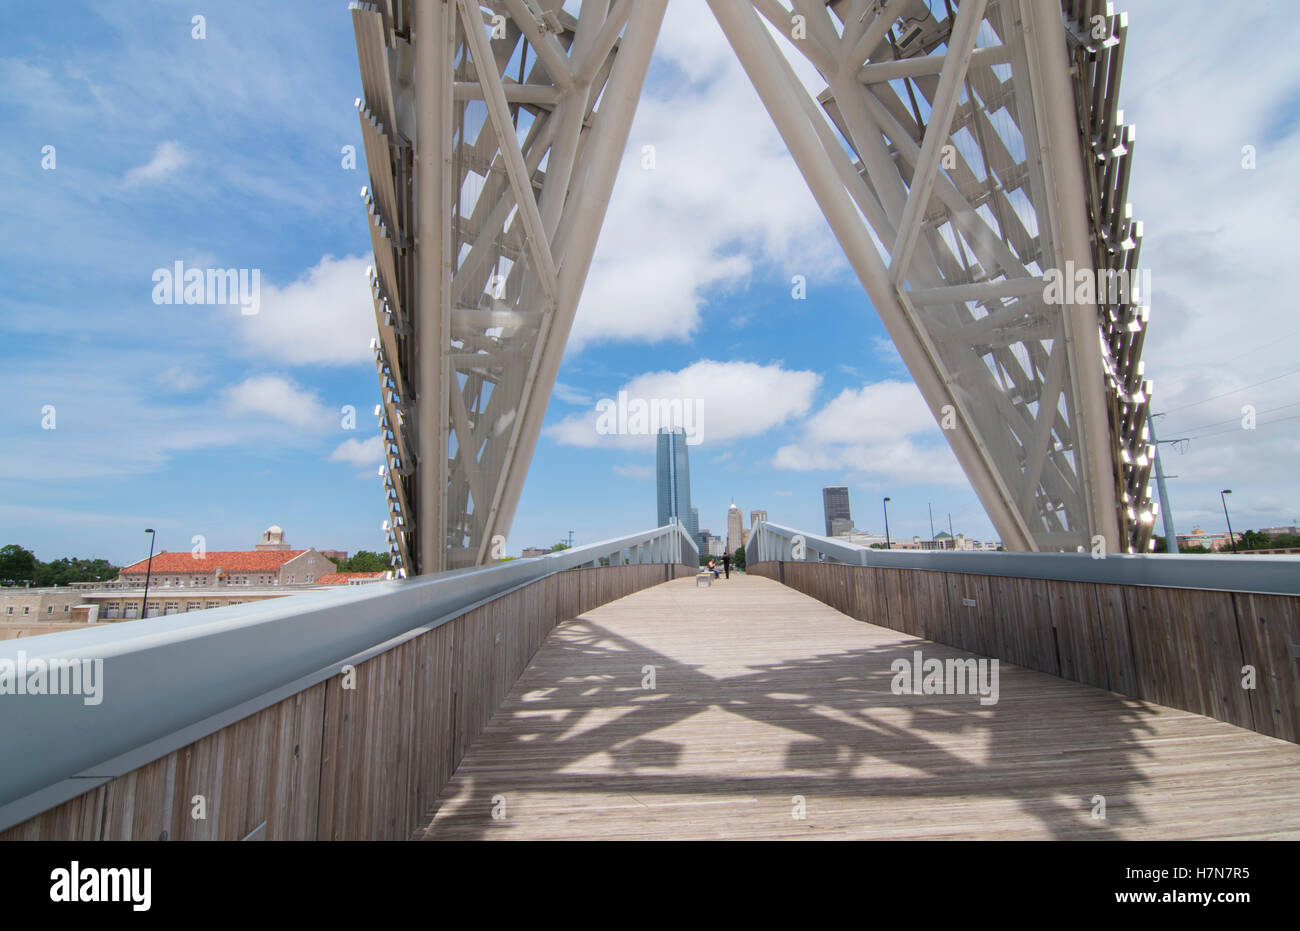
(532, 551)
(340, 555)
(1279, 531)
(835, 503)
(840, 526)
(1211, 541)
(861, 538)
(735, 528)
(716, 546)
(756, 518)
(673, 480)
(941, 542)
(351, 578)
(270, 562)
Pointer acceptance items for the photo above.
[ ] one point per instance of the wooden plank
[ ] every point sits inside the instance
(745, 716)
(1270, 640)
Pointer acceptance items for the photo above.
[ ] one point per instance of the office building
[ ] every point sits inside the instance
(835, 502)
(735, 528)
(673, 480)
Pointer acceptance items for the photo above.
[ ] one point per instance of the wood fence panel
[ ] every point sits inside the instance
(1270, 640)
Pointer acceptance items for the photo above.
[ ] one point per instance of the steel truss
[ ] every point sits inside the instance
(959, 154)
(493, 135)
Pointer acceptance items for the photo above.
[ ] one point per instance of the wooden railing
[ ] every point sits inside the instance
(360, 755)
(1186, 648)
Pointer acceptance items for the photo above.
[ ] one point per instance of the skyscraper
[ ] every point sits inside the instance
(835, 500)
(756, 517)
(735, 528)
(673, 480)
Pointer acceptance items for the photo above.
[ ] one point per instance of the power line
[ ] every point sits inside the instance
(1218, 423)
(1227, 393)
(1206, 436)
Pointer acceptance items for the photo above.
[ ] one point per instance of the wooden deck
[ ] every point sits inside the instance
(764, 696)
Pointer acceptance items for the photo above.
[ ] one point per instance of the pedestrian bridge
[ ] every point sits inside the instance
(564, 698)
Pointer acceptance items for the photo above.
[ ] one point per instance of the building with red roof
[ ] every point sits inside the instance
(350, 578)
(272, 562)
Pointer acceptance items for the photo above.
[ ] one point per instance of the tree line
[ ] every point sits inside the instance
(19, 566)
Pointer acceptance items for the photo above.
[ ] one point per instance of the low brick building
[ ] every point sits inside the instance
(228, 567)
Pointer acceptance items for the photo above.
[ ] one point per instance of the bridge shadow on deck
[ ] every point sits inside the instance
(709, 755)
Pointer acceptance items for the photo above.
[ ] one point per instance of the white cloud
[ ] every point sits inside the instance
(180, 379)
(277, 398)
(873, 431)
(168, 159)
(641, 473)
(736, 400)
(360, 453)
(326, 317)
(1218, 240)
(723, 199)
(571, 395)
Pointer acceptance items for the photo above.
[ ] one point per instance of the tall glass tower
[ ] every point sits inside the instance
(673, 480)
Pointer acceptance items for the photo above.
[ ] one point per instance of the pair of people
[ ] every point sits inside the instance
(726, 565)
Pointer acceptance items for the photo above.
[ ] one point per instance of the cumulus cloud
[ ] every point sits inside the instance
(277, 398)
(1217, 239)
(735, 400)
(360, 453)
(167, 159)
(723, 199)
(883, 429)
(326, 317)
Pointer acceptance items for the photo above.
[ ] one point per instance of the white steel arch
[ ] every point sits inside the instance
(963, 153)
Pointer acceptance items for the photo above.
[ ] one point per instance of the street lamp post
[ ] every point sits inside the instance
(885, 505)
(1223, 498)
(144, 602)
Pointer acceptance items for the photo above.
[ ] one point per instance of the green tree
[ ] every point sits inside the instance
(557, 547)
(366, 561)
(66, 571)
(738, 559)
(1254, 540)
(17, 565)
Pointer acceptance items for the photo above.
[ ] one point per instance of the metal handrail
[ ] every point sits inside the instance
(1261, 574)
(168, 681)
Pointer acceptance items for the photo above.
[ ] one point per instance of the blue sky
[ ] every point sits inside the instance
(226, 152)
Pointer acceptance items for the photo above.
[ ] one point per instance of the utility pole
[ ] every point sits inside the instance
(570, 539)
(1166, 512)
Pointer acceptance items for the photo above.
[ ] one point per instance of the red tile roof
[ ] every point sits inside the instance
(342, 578)
(229, 561)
